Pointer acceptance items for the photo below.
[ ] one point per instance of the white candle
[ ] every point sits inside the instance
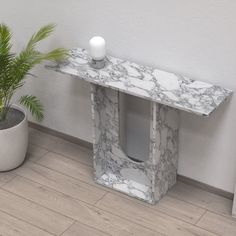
(97, 46)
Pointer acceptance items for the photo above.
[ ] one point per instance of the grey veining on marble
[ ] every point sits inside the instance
(164, 143)
(142, 81)
(148, 180)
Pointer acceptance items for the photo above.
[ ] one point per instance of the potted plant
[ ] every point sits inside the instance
(14, 69)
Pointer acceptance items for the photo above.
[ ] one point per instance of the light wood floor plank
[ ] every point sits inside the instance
(60, 182)
(75, 209)
(178, 209)
(34, 152)
(202, 198)
(74, 152)
(61, 146)
(148, 217)
(68, 166)
(71, 168)
(175, 208)
(10, 226)
(5, 177)
(78, 229)
(218, 224)
(171, 206)
(33, 213)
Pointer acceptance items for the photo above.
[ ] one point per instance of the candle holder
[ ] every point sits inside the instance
(97, 64)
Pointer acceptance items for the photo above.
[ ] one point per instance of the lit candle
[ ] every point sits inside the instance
(97, 48)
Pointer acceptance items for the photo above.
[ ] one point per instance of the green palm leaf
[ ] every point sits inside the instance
(43, 33)
(5, 37)
(14, 68)
(34, 106)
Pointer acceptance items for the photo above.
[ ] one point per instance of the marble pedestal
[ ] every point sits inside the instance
(148, 180)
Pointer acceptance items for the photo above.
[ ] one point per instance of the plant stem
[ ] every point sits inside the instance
(1, 109)
(4, 108)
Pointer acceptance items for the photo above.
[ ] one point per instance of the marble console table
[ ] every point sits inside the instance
(166, 93)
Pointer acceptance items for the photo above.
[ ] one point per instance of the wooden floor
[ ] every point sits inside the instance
(53, 193)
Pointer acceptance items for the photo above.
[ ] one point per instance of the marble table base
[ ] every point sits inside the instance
(148, 180)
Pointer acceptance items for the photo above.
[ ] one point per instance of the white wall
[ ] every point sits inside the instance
(192, 37)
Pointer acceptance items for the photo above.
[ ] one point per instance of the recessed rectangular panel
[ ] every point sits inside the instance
(134, 122)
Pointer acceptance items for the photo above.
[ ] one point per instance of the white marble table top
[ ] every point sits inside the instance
(152, 84)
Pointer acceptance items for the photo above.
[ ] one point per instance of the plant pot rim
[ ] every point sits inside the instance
(15, 126)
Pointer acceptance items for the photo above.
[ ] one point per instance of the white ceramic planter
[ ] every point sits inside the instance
(13, 145)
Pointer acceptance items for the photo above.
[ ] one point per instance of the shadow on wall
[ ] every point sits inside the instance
(199, 145)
